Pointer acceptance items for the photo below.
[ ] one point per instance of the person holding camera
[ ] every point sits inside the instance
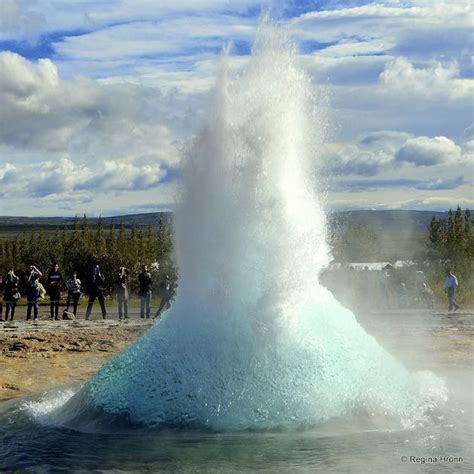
(145, 282)
(11, 294)
(96, 290)
(32, 291)
(74, 292)
(167, 291)
(121, 286)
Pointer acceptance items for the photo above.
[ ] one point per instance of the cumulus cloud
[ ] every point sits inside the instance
(40, 110)
(425, 151)
(394, 65)
(371, 154)
(352, 160)
(61, 178)
(387, 164)
(60, 137)
(110, 119)
(119, 176)
(400, 75)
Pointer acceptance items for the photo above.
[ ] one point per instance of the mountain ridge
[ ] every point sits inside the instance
(400, 221)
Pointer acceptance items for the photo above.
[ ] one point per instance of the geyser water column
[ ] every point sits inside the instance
(253, 341)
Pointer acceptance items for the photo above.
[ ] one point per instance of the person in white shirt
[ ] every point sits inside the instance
(74, 293)
(451, 285)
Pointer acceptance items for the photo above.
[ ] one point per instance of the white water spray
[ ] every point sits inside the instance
(253, 341)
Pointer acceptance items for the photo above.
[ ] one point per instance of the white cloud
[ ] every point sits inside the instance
(387, 24)
(417, 203)
(433, 203)
(39, 110)
(403, 78)
(131, 80)
(148, 38)
(5, 170)
(420, 79)
(425, 151)
(69, 141)
(371, 154)
(469, 132)
(395, 162)
(123, 176)
(352, 160)
(19, 18)
(50, 179)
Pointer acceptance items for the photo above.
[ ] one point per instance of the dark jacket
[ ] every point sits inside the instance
(11, 288)
(145, 281)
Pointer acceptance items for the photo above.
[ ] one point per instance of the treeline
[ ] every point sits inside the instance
(448, 239)
(80, 247)
(451, 246)
(448, 243)
(452, 239)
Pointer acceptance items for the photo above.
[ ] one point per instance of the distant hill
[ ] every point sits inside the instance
(389, 221)
(386, 221)
(22, 224)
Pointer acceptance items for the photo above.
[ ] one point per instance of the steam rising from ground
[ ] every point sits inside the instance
(253, 341)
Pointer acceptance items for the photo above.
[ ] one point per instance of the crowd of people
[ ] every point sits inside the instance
(30, 284)
(33, 289)
(424, 295)
(388, 288)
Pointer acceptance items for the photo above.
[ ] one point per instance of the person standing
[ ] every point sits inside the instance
(427, 295)
(145, 282)
(451, 285)
(32, 291)
(96, 290)
(166, 295)
(121, 284)
(11, 294)
(74, 292)
(54, 284)
(1, 298)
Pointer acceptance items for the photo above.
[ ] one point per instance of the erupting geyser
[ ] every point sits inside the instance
(253, 340)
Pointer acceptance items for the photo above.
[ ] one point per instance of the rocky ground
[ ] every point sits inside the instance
(37, 356)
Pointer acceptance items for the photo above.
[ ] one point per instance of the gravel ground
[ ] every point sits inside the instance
(37, 356)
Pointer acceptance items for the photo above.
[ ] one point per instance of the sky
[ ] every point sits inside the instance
(98, 98)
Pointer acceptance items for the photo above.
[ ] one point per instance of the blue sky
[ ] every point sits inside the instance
(97, 97)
